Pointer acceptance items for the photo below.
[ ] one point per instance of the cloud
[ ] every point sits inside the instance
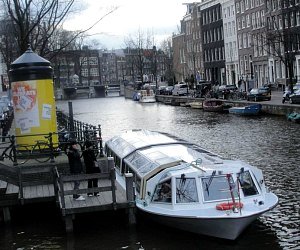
(161, 17)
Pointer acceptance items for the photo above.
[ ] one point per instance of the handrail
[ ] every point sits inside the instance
(62, 179)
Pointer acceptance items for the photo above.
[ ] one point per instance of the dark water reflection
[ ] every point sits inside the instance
(271, 143)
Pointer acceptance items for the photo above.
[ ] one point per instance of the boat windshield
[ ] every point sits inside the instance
(218, 188)
(186, 190)
(247, 184)
(163, 192)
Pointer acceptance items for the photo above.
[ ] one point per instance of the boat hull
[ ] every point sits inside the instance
(196, 105)
(248, 110)
(225, 228)
(213, 106)
(147, 100)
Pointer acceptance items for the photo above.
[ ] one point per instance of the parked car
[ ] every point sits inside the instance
(225, 90)
(202, 88)
(295, 97)
(180, 89)
(286, 93)
(167, 90)
(259, 94)
(160, 90)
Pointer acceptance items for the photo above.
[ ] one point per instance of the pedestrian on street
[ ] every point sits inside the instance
(75, 165)
(91, 165)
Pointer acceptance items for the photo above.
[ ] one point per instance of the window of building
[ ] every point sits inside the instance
(258, 20)
(249, 35)
(242, 6)
(246, 4)
(248, 21)
(239, 23)
(263, 18)
(237, 7)
(243, 22)
(94, 72)
(245, 40)
(253, 21)
(84, 72)
(240, 41)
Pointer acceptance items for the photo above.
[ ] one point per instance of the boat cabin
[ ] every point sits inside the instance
(171, 170)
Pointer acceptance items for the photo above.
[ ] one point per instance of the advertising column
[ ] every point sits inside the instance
(33, 98)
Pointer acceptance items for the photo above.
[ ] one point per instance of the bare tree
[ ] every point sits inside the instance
(137, 52)
(40, 24)
(282, 42)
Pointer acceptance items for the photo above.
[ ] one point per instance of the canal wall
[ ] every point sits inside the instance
(272, 108)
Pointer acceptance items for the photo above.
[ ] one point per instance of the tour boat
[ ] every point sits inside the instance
(182, 185)
(147, 96)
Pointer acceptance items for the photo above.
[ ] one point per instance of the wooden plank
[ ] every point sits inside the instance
(3, 185)
(40, 191)
(12, 189)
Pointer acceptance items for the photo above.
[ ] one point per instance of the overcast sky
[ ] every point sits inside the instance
(158, 17)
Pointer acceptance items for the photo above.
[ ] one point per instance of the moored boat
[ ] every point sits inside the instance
(182, 185)
(294, 117)
(196, 105)
(247, 110)
(147, 96)
(213, 105)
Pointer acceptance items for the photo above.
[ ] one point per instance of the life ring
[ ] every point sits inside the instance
(229, 205)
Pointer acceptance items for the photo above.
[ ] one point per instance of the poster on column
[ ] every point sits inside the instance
(26, 107)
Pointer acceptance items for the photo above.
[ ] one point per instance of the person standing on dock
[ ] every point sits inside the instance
(91, 165)
(75, 165)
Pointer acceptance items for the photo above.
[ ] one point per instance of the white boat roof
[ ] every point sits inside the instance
(147, 151)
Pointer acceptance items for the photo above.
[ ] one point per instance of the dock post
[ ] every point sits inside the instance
(69, 223)
(6, 214)
(71, 120)
(130, 197)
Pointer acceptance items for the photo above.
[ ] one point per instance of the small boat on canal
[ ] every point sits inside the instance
(196, 105)
(182, 185)
(147, 96)
(247, 110)
(213, 105)
(294, 117)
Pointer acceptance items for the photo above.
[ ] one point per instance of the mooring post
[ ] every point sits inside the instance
(130, 197)
(69, 223)
(6, 214)
(71, 120)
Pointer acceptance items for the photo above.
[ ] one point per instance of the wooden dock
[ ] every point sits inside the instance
(51, 182)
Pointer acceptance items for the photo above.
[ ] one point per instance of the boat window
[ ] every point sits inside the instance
(186, 190)
(163, 192)
(138, 184)
(117, 161)
(247, 184)
(218, 188)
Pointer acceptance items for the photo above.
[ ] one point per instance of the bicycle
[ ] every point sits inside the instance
(16, 153)
(43, 150)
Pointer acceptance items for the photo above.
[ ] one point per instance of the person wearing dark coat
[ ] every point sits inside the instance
(75, 165)
(91, 165)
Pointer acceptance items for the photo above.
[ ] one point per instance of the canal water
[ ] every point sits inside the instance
(268, 142)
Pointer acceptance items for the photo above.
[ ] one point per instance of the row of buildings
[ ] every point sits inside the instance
(242, 42)
(248, 43)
